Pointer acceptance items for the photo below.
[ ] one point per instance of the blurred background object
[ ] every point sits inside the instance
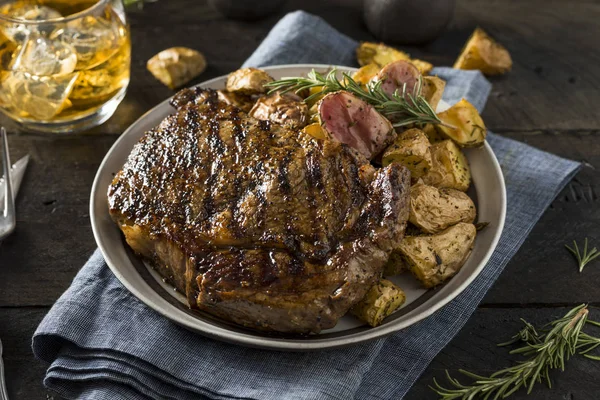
(407, 21)
(246, 10)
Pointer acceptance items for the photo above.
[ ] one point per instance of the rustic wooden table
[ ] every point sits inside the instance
(550, 100)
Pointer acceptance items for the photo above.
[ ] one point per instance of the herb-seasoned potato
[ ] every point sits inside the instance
(366, 73)
(432, 134)
(235, 99)
(380, 301)
(432, 90)
(315, 130)
(176, 66)
(435, 258)
(433, 209)
(449, 169)
(395, 265)
(248, 81)
(410, 149)
(466, 128)
(380, 54)
(485, 54)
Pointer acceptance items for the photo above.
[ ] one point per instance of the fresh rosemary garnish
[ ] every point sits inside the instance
(547, 350)
(585, 258)
(401, 108)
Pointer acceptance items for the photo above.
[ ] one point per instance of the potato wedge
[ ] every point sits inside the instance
(432, 134)
(432, 90)
(485, 54)
(434, 259)
(176, 66)
(366, 73)
(395, 265)
(248, 81)
(381, 300)
(380, 54)
(464, 125)
(450, 168)
(411, 149)
(433, 209)
(315, 130)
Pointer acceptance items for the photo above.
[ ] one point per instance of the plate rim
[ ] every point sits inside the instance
(274, 343)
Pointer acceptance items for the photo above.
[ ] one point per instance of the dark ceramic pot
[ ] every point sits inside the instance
(407, 21)
(246, 10)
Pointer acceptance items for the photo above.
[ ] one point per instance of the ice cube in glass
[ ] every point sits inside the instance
(41, 97)
(94, 39)
(28, 12)
(42, 56)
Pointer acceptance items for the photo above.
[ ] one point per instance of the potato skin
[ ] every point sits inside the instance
(432, 134)
(248, 81)
(466, 126)
(435, 258)
(176, 66)
(432, 90)
(286, 109)
(450, 168)
(485, 54)
(381, 300)
(395, 265)
(433, 209)
(381, 55)
(366, 73)
(411, 149)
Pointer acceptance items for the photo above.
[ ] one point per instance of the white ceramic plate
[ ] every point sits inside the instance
(489, 193)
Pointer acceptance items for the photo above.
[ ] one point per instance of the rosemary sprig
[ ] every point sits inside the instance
(401, 108)
(545, 352)
(585, 258)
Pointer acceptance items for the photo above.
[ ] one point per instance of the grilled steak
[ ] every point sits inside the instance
(257, 223)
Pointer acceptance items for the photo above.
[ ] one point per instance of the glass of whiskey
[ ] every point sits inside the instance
(64, 64)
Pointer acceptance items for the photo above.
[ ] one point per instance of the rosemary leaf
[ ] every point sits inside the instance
(586, 257)
(545, 351)
(401, 108)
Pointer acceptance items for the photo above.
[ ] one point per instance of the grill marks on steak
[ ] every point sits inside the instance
(254, 222)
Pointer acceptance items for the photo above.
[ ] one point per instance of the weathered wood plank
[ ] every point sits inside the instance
(475, 350)
(53, 237)
(543, 271)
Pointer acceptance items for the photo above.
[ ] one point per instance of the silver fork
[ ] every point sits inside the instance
(3, 391)
(8, 219)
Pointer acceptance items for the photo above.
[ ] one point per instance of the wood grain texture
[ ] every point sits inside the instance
(549, 100)
(474, 349)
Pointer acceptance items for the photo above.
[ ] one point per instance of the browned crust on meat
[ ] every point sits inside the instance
(254, 222)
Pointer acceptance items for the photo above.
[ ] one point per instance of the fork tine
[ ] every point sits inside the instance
(9, 202)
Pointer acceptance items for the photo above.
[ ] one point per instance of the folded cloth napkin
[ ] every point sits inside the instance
(102, 343)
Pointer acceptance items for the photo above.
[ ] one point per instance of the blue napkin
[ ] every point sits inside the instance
(102, 343)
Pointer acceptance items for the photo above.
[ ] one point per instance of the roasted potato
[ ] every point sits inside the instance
(239, 100)
(485, 54)
(248, 81)
(176, 66)
(435, 258)
(433, 209)
(463, 124)
(411, 149)
(380, 54)
(381, 300)
(432, 134)
(432, 90)
(450, 168)
(366, 73)
(315, 130)
(395, 265)
(286, 109)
